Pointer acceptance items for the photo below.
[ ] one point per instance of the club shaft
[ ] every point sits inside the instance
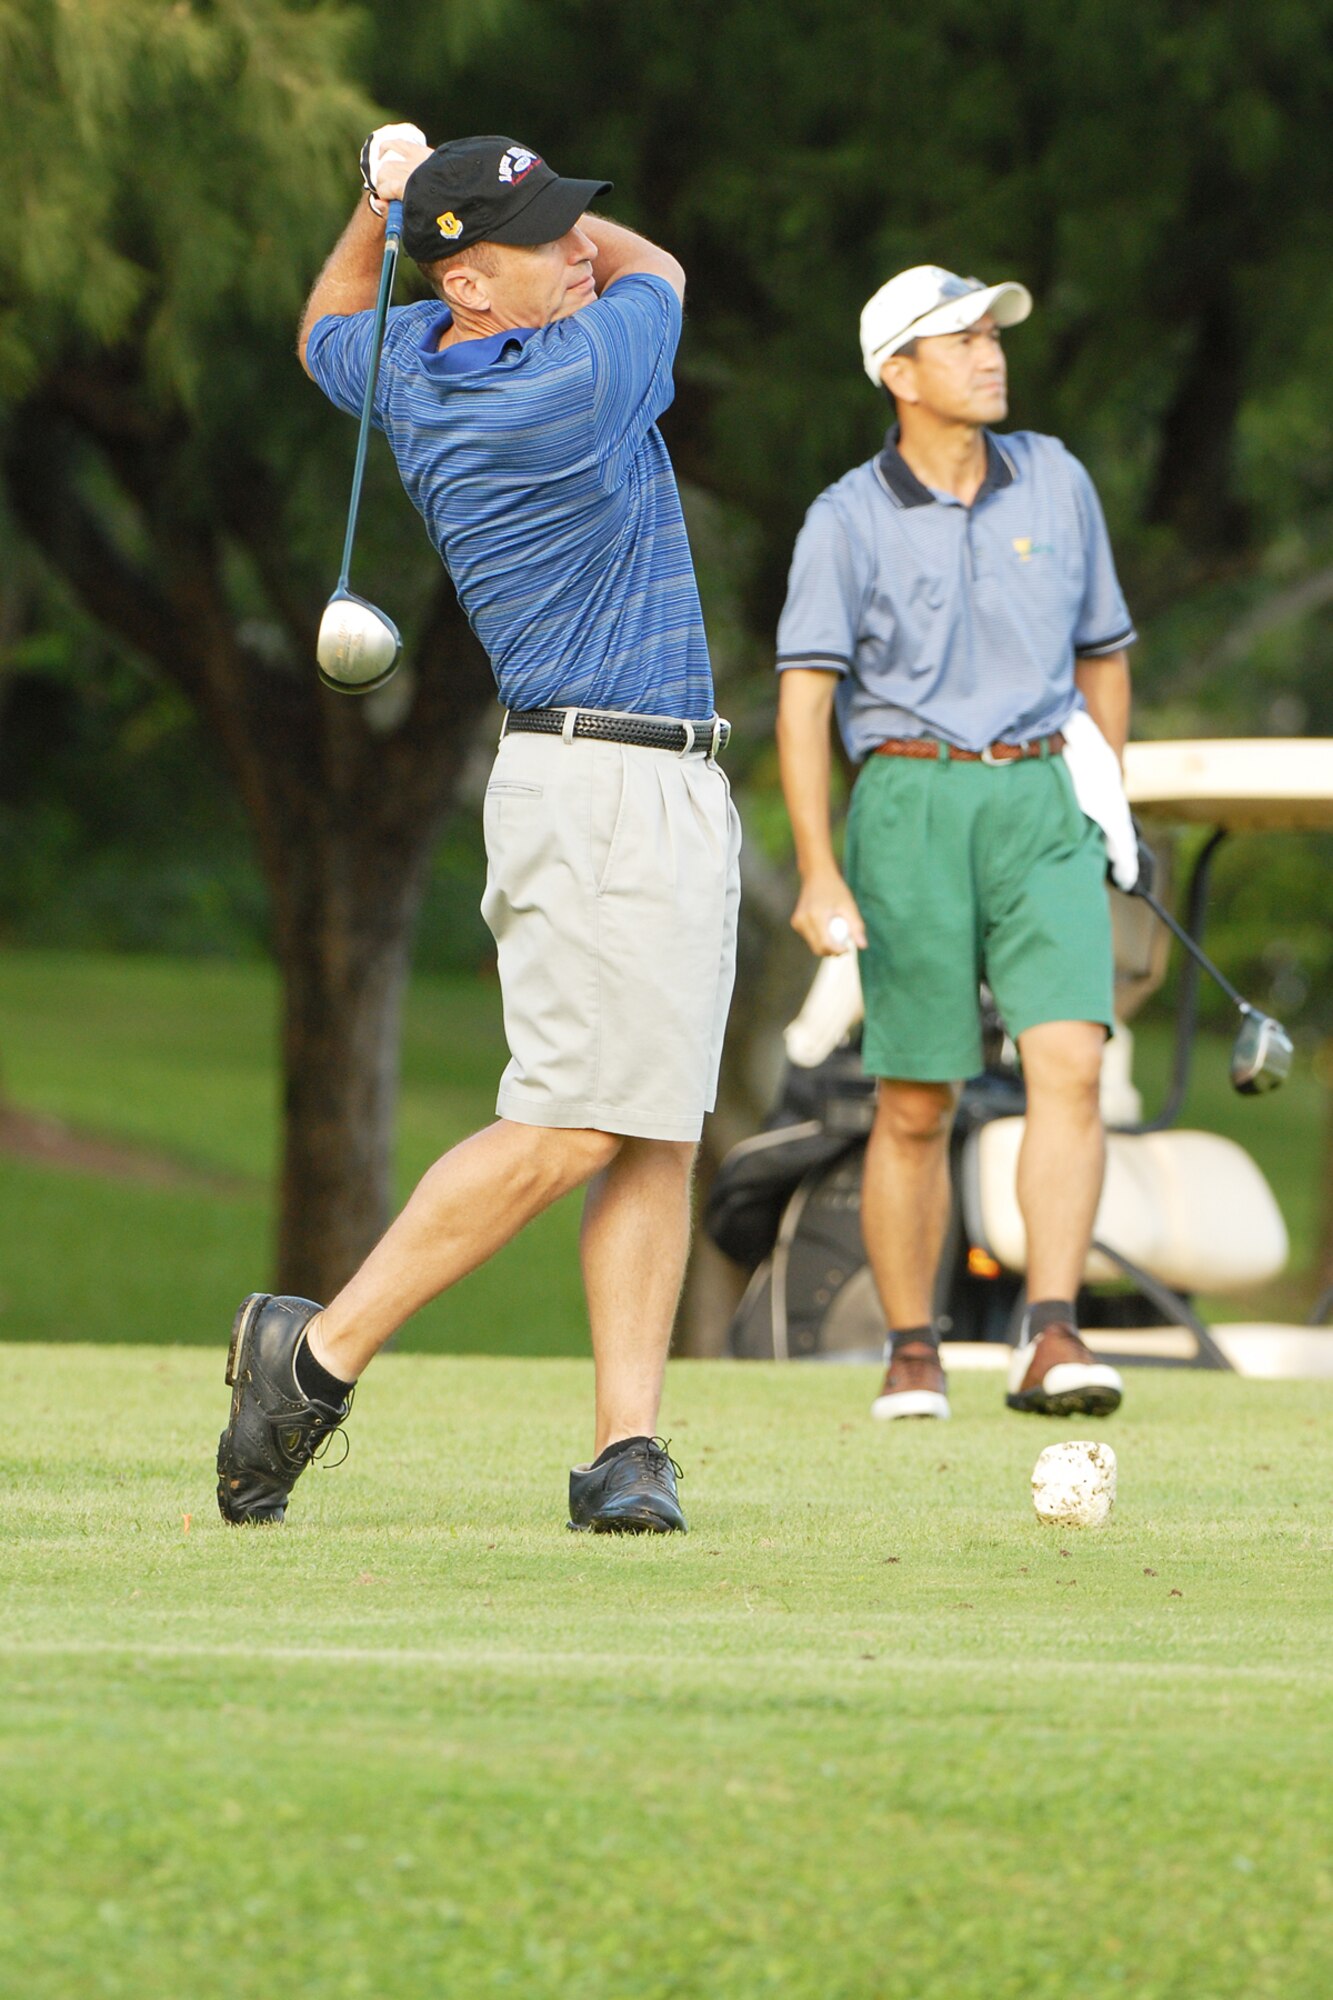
(393, 231)
(1195, 949)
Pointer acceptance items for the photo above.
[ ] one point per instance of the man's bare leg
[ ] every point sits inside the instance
(1063, 1156)
(1060, 1167)
(464, 1209)
(905, 1195)
(633, 1247)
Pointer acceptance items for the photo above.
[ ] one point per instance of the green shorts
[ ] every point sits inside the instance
(972, 871)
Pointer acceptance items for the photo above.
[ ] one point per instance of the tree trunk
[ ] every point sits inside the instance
(344, 970)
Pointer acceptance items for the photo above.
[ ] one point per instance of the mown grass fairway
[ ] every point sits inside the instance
(178, 1057)
(869, 1733)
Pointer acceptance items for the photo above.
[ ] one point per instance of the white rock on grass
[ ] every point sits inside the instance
(1073, 1485)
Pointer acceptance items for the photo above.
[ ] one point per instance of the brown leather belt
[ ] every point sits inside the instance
(994, 753)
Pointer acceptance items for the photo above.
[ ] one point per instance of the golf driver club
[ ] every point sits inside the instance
(358, 646)
(1261, 1055)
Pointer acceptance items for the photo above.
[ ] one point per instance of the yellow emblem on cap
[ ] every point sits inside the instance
(1023, 547)
(449, 225)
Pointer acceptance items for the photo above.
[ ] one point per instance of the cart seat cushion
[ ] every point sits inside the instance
(1191, 1207)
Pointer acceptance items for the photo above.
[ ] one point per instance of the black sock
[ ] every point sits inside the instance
(315, 1381)
(614, 1450)
(1045, 1312)
(912, 1336)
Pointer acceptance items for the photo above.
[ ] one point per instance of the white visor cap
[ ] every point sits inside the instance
(928, 300)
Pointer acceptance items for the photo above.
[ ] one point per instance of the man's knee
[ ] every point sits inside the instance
(914, 1113)
(1063, 1059)
(556, 1158)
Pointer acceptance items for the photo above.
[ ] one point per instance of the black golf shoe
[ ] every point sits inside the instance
(632, 1492)
(274, 1429)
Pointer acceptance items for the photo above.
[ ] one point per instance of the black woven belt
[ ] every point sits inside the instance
(647, 732)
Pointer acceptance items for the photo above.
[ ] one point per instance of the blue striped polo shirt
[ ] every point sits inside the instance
(961, 623)
(535, 461)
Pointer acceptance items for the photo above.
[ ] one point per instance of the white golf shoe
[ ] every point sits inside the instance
(1055, 1375)
(914, 1385)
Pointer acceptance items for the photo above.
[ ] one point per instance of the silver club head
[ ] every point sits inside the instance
(358, 646)
(1262, 1054)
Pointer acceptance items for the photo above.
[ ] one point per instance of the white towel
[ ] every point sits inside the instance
(832, 1009)
(1094, 772)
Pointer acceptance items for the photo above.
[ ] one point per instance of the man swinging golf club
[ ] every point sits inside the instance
(956, 599)
(521, 407)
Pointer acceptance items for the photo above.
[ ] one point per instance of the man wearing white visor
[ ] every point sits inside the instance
(954, 601)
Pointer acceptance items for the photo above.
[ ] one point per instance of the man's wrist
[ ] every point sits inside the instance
(824, 869)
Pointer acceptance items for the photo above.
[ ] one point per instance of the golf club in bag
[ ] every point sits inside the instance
(358, 646)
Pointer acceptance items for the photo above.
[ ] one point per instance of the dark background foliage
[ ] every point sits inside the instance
(1157, 173)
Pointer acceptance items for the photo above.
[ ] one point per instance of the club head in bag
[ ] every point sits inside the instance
(1261, 1056)
(358, 646)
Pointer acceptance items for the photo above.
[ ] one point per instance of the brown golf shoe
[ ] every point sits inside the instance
(915, 1384)
(1056, 1375)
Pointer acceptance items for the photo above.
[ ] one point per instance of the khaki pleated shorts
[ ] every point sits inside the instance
(612, 892)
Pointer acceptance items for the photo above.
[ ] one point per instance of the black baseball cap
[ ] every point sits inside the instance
(488, 190)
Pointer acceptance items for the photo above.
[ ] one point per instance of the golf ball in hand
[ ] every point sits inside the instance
(1073, 1485)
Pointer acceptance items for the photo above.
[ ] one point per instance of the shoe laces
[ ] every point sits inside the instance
(659, 1449)
(320, 1450)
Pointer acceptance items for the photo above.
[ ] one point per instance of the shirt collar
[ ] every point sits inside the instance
(467, 357)
(908, 491)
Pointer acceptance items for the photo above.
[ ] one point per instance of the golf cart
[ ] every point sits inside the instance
(1181, 1213)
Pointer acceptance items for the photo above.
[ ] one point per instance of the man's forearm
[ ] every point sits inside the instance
(826, 915)
(620, 251)
(804, 767)
(1105, 686)
(349, 282)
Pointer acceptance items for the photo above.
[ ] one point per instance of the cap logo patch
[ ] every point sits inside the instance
(517, 164)
(449, 225)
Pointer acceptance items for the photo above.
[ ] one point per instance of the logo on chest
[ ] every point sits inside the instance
(1025, 548)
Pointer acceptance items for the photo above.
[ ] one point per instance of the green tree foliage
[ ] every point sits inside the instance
(1158, 172)
(174, 176)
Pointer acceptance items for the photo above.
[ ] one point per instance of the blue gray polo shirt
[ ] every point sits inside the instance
(961, 623)
(535, 461)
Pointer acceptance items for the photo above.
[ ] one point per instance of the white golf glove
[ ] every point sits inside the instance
(372, 153)
(1094, 772)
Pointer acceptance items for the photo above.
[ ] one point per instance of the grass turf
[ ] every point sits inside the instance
(869, 1732)
(179, 1056)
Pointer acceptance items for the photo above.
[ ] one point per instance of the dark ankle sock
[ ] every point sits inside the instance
(614, 1450)
(1045, 1312)
(315, 1381)
(912, 1336)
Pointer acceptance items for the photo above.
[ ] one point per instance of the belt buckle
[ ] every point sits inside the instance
(721, 736)
(996, 763)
